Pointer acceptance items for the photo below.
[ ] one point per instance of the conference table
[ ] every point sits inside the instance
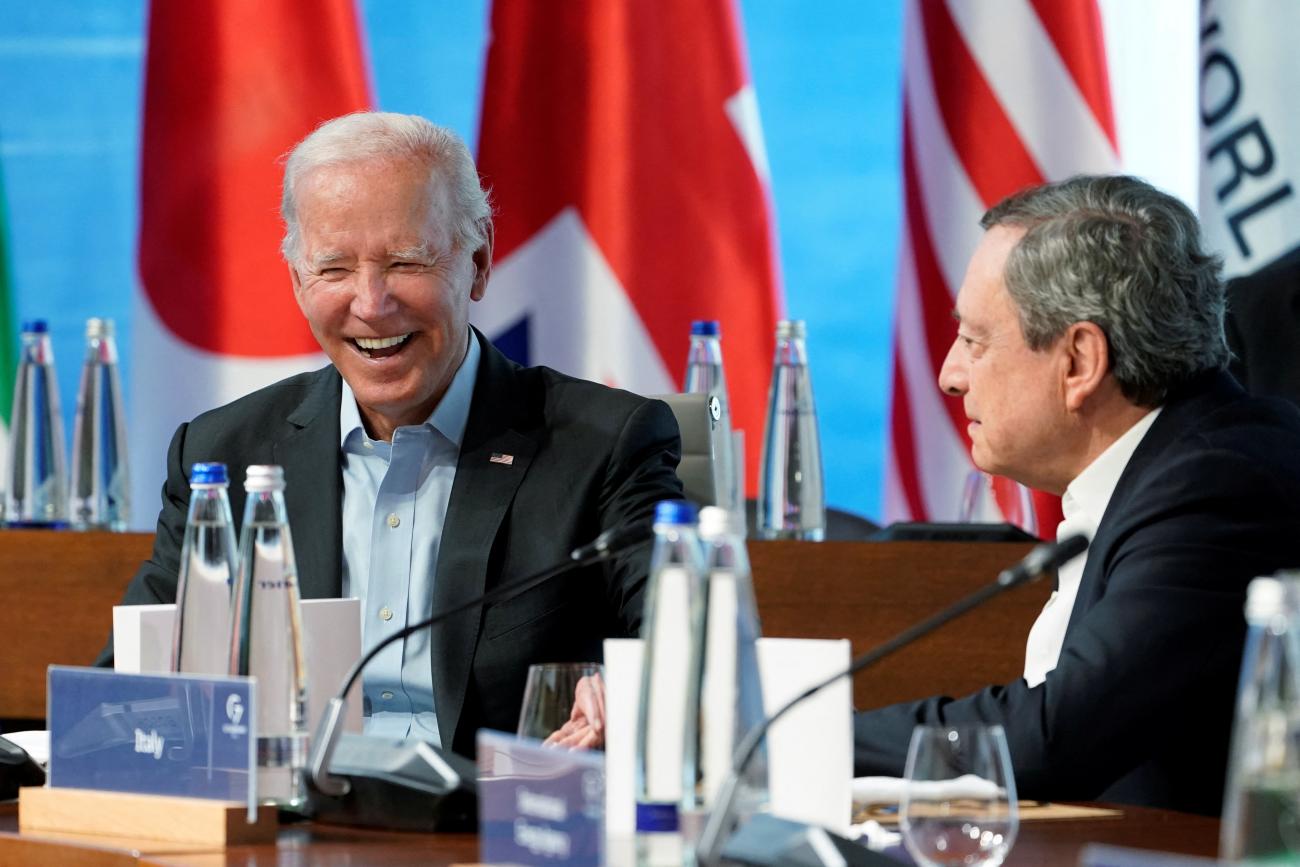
(1046, 842)
(60, 589)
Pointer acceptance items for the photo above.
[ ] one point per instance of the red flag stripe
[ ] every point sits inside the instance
(905, 456)
(986, 142)
(230, 87)
(936, 298)
(1076, 32)
(648, 159)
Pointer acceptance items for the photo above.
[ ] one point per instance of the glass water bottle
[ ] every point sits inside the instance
(791, 503)
(267, 640)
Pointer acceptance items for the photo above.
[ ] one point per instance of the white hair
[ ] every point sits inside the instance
(367, 135)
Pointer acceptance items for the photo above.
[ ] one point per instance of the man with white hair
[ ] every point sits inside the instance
(1090, 362)
(422, 467)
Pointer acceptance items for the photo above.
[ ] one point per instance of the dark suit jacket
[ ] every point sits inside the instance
(1263, 328)
(586, 458)
(1140, 706)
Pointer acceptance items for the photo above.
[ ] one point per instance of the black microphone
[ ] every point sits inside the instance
(411, 784)
(767, 840)
(613, 540)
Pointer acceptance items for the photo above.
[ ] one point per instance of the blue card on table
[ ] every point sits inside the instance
(539, 805)
(150, 734)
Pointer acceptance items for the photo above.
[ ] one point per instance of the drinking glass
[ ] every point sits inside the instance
(981, 505)
(959, 804)
(549, 696)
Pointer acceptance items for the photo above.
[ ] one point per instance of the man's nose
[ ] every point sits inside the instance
(373, 299)
(952, 376)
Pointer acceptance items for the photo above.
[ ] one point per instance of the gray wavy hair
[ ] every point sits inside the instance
(368, 135)
(1117, 252)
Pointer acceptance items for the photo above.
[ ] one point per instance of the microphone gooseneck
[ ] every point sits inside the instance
(607, 545)
(1044, 558)
(613, 540)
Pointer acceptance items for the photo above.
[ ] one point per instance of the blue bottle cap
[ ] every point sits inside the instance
(705, 327)
(208, 474)
(35, 326)
(675, 512)
(656, 817)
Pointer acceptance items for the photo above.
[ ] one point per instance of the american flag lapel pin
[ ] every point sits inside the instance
(505, 460)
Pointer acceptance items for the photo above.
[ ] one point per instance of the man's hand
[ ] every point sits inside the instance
(585, 729)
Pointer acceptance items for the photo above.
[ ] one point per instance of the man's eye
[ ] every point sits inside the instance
(406, 266)
(333, 272)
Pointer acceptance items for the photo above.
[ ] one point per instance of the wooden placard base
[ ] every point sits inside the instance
(192, 821)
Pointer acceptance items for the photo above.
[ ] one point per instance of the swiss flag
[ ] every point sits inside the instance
(231, 86)
(621, 143)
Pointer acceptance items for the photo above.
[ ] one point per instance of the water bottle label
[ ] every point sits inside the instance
(275, 652)
(655, 818)
(668, 667)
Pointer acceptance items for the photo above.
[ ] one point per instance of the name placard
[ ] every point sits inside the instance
(175, 734)
(1099, 855)
(539, 805)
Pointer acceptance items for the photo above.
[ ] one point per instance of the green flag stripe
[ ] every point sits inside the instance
(8, 339)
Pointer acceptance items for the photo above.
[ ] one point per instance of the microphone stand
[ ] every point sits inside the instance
(1044, 558)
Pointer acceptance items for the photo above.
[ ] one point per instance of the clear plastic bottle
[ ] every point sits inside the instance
(666, 766)
(731, 698)
(791, 502)
(101, 488)
(36, 484)
(266, 638)
(1262, 803)
(705, 375)
(201, 639)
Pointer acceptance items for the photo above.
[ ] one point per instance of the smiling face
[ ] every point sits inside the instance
(1013, 396)
(384, 285)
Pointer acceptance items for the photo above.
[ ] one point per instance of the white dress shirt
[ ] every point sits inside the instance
(1083, 506)
(395, 497)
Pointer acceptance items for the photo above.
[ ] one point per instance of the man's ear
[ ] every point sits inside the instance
(482, 259)
(296, 280)
(1088, 355)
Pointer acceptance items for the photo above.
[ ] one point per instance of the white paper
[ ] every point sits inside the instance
(142, 644)
(889, 790)
(36, 743)
(142, 638)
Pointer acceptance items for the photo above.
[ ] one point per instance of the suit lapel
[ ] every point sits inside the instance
(494, 457)
(313, 486)
(1180, 413)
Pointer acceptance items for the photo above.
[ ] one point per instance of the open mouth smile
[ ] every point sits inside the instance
(380, 347)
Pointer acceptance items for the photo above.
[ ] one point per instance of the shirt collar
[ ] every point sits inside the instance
(449, 417)
(1089, 494)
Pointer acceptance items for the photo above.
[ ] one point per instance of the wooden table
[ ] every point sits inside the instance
(1057, 842)
(60, 587)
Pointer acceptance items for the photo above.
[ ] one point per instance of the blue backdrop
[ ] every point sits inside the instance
(828, 77)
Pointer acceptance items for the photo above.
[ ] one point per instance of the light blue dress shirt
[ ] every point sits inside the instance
(394, 506)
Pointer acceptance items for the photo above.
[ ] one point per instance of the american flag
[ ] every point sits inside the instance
(998, 96)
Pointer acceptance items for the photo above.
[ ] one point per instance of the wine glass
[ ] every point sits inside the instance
(549, 695)
(988, 499)
(959, 804)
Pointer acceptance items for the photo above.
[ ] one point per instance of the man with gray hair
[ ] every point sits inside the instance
(422, 466)
(1090, 360)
